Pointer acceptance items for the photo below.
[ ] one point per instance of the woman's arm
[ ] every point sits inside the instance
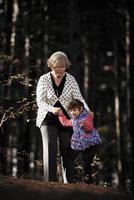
(77, 93)
(64, 121)
(41, 95)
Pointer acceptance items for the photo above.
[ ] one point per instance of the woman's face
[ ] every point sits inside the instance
(58, 69)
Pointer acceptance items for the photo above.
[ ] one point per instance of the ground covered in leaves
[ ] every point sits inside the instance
(24, 189)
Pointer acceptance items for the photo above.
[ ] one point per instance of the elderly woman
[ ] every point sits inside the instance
(55, 90)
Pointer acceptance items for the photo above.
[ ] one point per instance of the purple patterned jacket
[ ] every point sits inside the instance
(81, 139)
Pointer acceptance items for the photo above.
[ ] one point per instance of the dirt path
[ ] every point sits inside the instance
(22, 189)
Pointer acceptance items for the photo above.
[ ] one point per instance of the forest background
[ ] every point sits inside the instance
(98, 39)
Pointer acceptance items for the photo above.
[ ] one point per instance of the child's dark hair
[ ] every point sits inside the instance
(75, 103)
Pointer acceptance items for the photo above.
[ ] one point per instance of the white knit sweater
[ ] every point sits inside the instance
(46, 97)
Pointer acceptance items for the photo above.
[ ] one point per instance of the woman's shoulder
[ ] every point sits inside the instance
(70, 76)
(45, 76)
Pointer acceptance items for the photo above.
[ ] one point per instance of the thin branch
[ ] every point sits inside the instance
(3, 119)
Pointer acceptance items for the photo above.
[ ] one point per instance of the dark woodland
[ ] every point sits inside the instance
(98, 37)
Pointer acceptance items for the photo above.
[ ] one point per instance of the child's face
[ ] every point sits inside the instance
(75, 112)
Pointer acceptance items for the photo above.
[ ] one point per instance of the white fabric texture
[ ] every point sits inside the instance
(46, 97)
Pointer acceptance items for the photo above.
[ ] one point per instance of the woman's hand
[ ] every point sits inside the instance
(91, 113)
(56, 110)
(82, 123)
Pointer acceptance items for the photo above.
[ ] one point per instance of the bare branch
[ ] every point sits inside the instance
(3, 119)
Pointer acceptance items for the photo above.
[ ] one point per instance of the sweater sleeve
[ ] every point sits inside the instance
(64, 121)
(41, 93)
(88, 123)
(77, 93)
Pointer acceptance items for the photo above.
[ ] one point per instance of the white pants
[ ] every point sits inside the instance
(49, 138)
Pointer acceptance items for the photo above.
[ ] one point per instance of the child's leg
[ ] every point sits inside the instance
(88, 156)
(73, 154)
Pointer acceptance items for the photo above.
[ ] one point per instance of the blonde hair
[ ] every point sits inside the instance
(58, 58)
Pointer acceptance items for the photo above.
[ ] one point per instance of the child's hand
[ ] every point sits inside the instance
(60, 112)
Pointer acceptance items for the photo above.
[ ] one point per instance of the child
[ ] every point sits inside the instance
(85, 137)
